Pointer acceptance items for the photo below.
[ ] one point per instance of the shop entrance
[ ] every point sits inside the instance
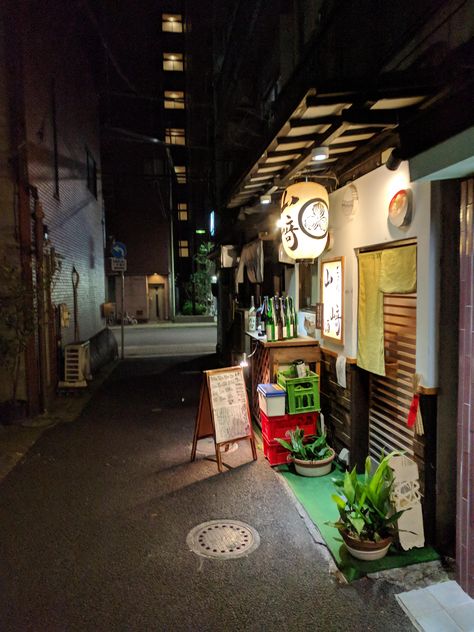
(156, 298)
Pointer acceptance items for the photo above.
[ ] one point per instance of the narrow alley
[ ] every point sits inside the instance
(95, 520)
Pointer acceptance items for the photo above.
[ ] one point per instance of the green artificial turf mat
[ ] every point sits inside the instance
(315, 496)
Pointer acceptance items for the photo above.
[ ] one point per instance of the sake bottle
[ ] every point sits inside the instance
(287, 328)
(270, 322)
(252, 316)
(278, 318)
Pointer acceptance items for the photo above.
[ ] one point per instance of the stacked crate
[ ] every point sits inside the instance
(293, 402)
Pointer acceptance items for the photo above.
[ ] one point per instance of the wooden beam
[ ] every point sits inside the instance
(305, 138)
(317, 120)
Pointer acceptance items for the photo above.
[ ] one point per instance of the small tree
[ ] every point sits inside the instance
(17, 322)
(199, 284)
(19, 305)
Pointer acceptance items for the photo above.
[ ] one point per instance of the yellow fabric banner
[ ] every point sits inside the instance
(398, 270)
(383, 271)
(370, 338)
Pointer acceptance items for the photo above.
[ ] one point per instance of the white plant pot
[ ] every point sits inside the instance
(367, 551)
(314, 468)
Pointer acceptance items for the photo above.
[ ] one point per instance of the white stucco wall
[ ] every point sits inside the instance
(369, 226)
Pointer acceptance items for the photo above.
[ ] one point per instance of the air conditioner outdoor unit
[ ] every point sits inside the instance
(76, 365)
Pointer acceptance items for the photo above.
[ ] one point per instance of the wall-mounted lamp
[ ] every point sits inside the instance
(244, 362)
(45, 233)
(394, 160)
(265, 199)
(320, 153)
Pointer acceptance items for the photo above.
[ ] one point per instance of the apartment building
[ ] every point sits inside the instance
(155, 155)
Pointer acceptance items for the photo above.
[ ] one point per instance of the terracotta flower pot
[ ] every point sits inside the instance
(314, 468)
(366, 549)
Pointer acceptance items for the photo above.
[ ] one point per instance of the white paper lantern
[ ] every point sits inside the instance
(304, 220)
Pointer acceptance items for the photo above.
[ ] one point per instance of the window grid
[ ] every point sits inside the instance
(172, 22)
(173, 62)
(173, 100)
(175, 136)
(181, 175)
(183, 248)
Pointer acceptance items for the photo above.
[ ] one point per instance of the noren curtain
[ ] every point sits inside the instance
(384, 271)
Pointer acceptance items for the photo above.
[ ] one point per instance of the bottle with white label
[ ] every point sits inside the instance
(252, 316)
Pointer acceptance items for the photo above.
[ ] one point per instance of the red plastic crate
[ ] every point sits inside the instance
(277, 427)
(274, 452)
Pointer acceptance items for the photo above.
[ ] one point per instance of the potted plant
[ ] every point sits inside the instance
(311, 455)
(367, 521)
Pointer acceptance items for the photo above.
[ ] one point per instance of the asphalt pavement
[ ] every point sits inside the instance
(96, 515)
(167, 339)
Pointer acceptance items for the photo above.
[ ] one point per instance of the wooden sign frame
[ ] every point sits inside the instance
(332, 298)
(213, 405)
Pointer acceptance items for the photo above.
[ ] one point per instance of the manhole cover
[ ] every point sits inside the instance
(223, 539)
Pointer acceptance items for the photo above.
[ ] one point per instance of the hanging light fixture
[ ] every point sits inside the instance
(320, 153)
(394, 160)
(305, 220)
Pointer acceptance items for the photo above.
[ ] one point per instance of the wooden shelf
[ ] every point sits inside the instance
(269, 356)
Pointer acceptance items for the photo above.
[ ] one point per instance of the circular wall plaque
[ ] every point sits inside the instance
(399, 209)
(350, 201)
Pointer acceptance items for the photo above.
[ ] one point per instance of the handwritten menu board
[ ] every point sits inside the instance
(229, 404)
(223, 412)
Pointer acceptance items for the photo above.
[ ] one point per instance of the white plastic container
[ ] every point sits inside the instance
(271, 398)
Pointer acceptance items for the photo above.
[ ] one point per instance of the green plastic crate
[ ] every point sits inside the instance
(302, 393)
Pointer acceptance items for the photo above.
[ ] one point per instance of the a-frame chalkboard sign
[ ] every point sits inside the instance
(223, 411)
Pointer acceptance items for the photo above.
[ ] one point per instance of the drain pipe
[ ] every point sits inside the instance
(75, 283)
(41, 290)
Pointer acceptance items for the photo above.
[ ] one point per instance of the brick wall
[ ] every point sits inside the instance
(54, 56)
(465, 423)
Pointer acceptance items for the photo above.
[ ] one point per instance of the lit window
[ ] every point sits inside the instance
(172, 22)
(175, 136)
(180, 174)
(174, 100)
(173, 61)
(182, 211)
(183, 248)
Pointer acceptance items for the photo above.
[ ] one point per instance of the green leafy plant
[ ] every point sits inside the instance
(198, 288)
(309, 448)
(22, 307)
(17, 322)
(198, 309)
(365, 509)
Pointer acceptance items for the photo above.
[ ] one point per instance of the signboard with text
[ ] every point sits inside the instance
(118, 265)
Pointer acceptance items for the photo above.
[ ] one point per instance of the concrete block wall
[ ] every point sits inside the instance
(57, 68)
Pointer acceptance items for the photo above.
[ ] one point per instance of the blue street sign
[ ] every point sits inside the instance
(118, 250)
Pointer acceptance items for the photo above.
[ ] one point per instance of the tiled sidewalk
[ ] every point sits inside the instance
(442, 607)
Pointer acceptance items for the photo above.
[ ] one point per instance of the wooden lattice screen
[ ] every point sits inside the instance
(390, 396)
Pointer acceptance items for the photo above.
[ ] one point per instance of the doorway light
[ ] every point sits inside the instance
(394, 160)
(320, 153)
